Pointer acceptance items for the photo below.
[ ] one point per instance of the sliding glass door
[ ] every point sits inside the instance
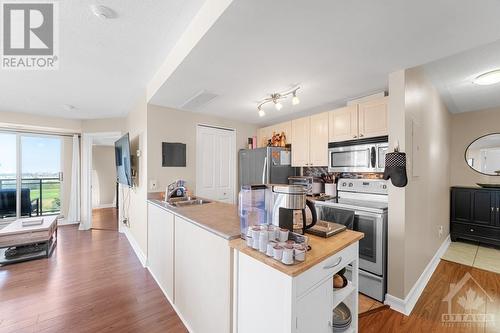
(8, 176)
(30, 175)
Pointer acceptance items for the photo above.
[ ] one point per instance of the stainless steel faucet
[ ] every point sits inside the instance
(176, 189)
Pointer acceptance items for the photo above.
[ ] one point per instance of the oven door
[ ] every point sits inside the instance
(352, 159)
(372, 247)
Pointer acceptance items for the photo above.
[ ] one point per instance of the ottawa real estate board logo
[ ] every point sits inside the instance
(29, 35)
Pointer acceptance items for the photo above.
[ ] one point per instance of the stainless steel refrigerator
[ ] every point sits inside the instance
(271, 165)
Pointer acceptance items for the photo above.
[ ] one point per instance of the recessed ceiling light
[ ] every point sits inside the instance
(103, 12)
(488, 78)
(69, 107)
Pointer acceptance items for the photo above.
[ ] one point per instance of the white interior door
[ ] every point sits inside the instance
(215, 163)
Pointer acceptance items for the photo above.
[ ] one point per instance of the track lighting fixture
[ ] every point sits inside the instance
(277, 98)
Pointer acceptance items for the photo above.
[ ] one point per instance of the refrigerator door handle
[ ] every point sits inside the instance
(264, 171)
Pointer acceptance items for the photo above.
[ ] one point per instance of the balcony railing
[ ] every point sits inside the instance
(39, 196)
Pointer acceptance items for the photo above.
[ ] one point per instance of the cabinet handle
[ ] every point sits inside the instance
(361, 135)
(498, 209)
(472, 230)
(492, 209)
(355, 136)
(331, 266)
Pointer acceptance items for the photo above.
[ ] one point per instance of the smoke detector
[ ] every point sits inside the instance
(103, 12)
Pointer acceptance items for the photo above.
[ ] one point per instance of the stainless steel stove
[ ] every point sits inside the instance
(368, 199)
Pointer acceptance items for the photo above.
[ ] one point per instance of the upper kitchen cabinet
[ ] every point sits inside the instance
(310, 141)
(373, 117)
(318, 145)
(343, 124)
(265, 133)
(300, 141)
(364, 120)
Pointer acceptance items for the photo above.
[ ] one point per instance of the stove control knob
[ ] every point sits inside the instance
(384, 186)
(344, 184)
(350, 184)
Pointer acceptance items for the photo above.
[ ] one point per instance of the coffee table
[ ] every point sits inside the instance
(41, 238)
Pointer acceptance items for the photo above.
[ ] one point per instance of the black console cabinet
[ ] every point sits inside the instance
(475, 214)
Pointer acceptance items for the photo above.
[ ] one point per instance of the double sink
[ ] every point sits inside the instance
(186, 201)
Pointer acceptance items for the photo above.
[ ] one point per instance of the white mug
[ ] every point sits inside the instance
(283, 235)
(287, 256)
(278, 252)
(255, 242)
(249, 241)
(263, 240)
(300, 254)
(270, 251)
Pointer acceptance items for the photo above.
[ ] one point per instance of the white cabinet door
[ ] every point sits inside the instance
(161, 248)
(263, 135)
(202, 278)
(215, 163)
(373, 118)
(314, 310)
(343, 124)
(318, 148)
(300, 142)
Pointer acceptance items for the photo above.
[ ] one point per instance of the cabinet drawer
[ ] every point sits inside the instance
(326, 268)
(473, 230)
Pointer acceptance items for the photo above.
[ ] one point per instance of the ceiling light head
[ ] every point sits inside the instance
(295, 99)
(103, 12)
(69, 107)
(261, 112)
(278, 105)
(488, 78)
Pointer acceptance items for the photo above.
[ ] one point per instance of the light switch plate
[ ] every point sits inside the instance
(153, 184)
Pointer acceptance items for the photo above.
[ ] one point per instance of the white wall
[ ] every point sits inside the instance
(133, 201)
(170, 125)
(421, 123)
(465, 128)
(103, 166)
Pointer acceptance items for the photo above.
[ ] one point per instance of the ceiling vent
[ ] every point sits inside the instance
(201, 98)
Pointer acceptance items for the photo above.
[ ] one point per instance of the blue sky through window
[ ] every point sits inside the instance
(41, 155)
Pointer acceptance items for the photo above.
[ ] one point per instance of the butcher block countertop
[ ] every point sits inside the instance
(321, 249)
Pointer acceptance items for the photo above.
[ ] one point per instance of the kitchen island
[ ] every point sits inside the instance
(216, 284)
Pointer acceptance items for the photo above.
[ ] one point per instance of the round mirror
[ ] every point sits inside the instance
(483, 155)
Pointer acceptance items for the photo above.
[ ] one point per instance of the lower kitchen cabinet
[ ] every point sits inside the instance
(161, 248)
(202, 278)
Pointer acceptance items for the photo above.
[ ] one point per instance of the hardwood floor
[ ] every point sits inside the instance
(105, 218)
(484, 297)
(369, 305)
(92, 283)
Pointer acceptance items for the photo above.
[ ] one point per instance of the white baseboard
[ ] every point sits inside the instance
(170, 301)
(138, 252)
(110, 205)
(406, 306)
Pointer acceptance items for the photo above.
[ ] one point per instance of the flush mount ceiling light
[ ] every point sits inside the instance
(69, 107)
(277, 98)
(488, 78)
(103, 12)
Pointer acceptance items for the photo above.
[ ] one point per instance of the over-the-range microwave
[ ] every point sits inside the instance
(363, 155)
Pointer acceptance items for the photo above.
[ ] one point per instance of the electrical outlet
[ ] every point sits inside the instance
(440, 231)
(153, 185)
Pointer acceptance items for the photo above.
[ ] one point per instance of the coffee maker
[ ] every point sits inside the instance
(288, 208)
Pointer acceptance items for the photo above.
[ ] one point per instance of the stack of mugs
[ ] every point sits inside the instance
(275, 243)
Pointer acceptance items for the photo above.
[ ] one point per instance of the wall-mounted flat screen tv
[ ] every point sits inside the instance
(123, 161)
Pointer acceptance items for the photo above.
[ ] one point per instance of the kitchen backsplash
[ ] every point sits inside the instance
(317, 171)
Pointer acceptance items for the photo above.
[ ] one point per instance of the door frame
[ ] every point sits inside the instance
(86, 174)
(234, 157)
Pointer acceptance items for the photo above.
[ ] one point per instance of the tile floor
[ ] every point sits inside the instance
(475, 255)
